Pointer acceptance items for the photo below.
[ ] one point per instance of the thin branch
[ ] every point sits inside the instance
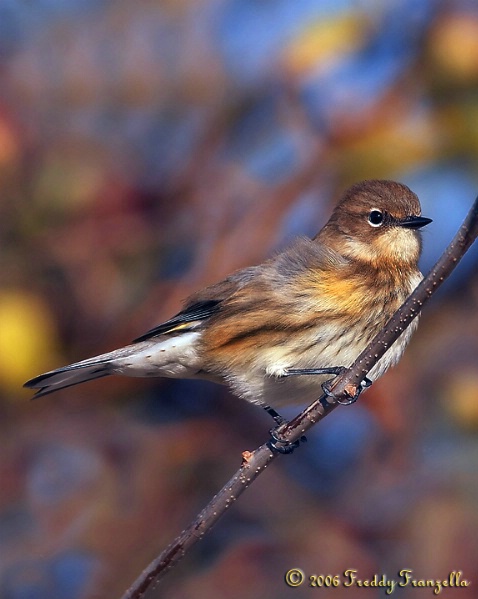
(343, 386)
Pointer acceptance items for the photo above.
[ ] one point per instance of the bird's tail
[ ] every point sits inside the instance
(173, 356)
(80, 372)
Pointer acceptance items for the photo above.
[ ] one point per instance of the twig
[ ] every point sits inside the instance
(343, 386)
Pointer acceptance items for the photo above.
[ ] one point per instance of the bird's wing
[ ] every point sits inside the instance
(186, 319)
(203, 304)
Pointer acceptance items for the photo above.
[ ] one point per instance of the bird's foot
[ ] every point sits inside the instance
(278, 445)
(275, 443)
(354, 391)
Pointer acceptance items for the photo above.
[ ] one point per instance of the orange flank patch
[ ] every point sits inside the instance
(338, 295)
(238, 338)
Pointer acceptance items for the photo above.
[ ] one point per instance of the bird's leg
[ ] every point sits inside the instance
(337, 370)
(301, 371)
(277, 417)
(275, 443)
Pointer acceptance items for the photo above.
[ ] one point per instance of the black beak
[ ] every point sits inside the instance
(414, 222)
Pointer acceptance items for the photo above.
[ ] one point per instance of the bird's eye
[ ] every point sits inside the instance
(375, 218)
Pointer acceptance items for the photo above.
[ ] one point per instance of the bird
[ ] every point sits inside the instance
(310, 309)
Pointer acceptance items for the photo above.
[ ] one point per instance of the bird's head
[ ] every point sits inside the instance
(377, 222)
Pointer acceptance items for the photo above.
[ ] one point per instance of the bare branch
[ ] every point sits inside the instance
(254, 463)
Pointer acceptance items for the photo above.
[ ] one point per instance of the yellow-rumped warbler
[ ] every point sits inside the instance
(311, 308)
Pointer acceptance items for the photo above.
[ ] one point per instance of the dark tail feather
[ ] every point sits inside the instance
(68, 376)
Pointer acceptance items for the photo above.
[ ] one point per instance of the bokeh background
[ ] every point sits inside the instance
(149, 148)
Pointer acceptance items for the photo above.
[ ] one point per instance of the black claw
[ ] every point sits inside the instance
(342, 402)
(352, 399)
(337, 371)
(277, 445)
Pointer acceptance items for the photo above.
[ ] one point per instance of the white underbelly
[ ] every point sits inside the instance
(174, 357)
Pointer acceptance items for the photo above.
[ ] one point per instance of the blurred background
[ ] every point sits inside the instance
(150, 148)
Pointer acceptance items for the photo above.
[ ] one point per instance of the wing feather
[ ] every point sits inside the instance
(184, 320)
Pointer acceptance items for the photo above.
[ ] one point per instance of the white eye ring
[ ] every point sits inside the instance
(375, 217)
